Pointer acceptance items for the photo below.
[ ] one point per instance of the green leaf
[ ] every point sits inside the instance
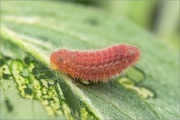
(35, 29)
(24, 95)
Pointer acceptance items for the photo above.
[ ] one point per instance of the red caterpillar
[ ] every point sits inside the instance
(97, 65)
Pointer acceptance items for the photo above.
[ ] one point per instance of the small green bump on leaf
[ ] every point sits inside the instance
(84, 82)
(135, 74)
(126, 81)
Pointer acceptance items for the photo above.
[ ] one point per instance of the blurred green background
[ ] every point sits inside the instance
(161, 17)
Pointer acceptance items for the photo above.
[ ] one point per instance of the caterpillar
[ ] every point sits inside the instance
(95, 66)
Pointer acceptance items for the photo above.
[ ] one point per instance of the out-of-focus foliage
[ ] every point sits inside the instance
(162, 17)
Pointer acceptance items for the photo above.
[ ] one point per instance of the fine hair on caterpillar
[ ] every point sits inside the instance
(95, 66)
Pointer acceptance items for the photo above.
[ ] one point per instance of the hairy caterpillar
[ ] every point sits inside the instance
(97, 65)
